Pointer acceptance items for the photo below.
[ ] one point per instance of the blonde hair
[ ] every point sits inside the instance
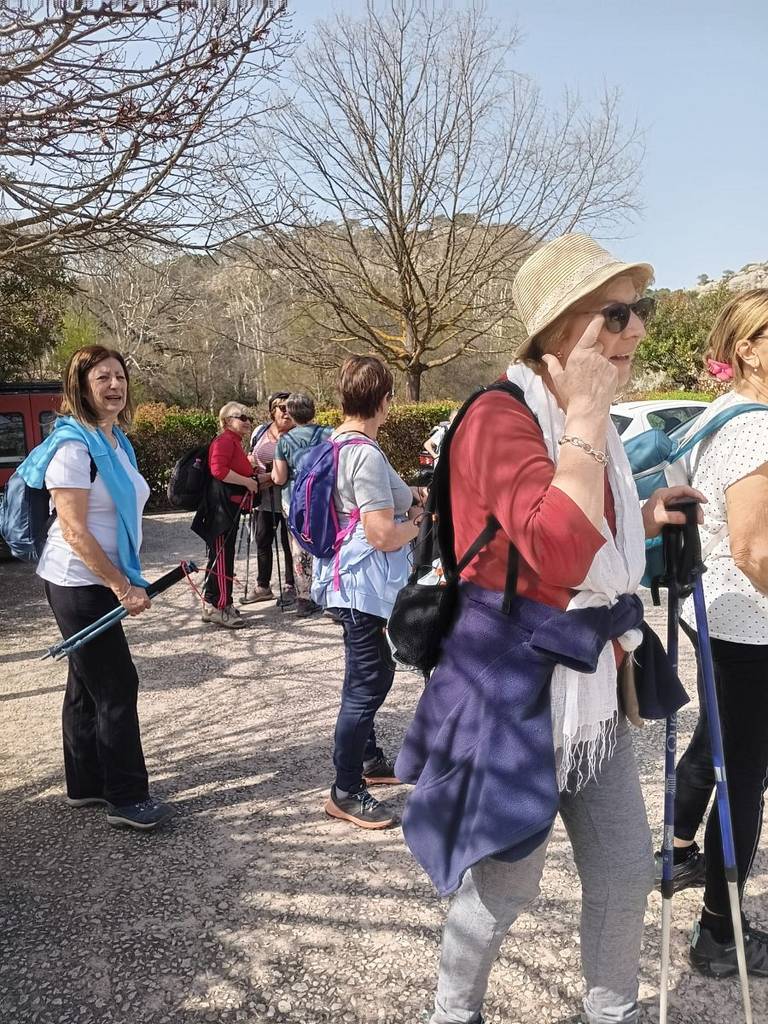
(552, 337)
(742, 319)
(76, 401)
(230, 409)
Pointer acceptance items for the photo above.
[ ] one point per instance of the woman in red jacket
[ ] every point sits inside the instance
(231, 482)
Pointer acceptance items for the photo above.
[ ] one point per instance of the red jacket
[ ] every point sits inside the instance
(226, 453)
(500, 466)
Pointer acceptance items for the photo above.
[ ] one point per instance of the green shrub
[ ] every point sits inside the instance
(161, 434)
(671, 396)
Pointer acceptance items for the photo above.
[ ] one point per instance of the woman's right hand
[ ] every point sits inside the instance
(136, 601)
(252, 485)
(588, 380)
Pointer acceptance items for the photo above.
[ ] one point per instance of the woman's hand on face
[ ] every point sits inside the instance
(657, 514)
(588, 379)
(136, 601)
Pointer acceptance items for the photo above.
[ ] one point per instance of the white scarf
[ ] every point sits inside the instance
(585, 705)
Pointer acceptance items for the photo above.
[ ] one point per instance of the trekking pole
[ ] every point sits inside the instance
(670, 787)
(248, 551)
(690, 568)
(276, 529)
(94, 629)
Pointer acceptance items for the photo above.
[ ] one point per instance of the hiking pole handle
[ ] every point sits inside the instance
(161, 585)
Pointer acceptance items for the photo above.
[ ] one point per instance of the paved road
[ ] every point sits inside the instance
(253, 906)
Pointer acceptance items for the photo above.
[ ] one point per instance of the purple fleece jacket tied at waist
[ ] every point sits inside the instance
(480, 748)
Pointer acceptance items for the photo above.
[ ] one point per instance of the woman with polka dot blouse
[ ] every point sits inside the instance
(731, 469)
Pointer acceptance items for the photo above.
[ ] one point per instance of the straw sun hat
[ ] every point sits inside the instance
(560, 274)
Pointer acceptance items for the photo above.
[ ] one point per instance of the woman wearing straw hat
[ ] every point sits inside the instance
(553, 472)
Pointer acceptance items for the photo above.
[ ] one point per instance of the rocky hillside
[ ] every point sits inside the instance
(753, 275)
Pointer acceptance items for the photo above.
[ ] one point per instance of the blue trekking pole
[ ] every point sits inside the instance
(94, 629)
(683, 576)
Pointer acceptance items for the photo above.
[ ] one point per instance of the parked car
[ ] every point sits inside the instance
(631, 418)
(27, 414)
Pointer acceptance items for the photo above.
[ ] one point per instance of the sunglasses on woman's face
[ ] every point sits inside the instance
(617, 314)
(243, 418)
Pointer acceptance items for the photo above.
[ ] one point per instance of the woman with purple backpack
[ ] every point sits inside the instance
(360, 582)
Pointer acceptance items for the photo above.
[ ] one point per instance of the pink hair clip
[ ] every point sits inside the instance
(720, 371)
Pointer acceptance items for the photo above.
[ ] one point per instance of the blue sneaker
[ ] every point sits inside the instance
(146, 815)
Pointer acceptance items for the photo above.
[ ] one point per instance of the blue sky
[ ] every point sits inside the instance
(696, 76)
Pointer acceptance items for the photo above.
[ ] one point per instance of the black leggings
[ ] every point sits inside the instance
(741, 678)
(102, 745)
(265, 527)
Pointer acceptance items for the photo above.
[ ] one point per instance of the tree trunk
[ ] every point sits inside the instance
(413, 383)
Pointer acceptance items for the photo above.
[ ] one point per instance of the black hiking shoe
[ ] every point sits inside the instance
(143, 816)
(718, 959)
(380, 771)
(688, 875)
(359, 808)
(306, 608)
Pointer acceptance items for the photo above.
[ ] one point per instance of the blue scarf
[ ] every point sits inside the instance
(110, 469)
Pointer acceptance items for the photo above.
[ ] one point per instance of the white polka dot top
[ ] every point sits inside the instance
(736, 611)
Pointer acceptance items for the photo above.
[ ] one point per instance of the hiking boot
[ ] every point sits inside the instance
(233, 611)
(360, 809)
(144, 816)
(287, 598)
(718, 959)
(688, 875)
(333, 615)
(380, 771)
(256, 594)
(86, 801)
(222, 617)
(306, 608)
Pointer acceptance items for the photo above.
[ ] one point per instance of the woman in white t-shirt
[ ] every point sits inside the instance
(90, 565)
(731, 469)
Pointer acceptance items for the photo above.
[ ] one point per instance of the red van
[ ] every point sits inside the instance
(27, 413)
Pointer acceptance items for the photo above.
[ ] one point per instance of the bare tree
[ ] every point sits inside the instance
(115, 117)
(413, 170)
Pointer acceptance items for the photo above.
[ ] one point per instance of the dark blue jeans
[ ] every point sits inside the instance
(368, 674)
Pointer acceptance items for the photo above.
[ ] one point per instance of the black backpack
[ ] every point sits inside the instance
(423, 614)
(189, 480)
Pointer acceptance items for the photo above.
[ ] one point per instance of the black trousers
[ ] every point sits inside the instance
(266, 524)
(741, 679)
(102, 744)
(220, 569)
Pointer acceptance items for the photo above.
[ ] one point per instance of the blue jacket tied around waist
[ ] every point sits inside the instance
(116, 480)
(480, 749)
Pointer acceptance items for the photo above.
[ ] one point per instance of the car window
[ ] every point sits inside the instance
(620, 422)
(670, 419)
(13, 444)
(46, 419)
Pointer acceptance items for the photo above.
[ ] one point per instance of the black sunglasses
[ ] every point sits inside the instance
(617, 314)
(243, 418)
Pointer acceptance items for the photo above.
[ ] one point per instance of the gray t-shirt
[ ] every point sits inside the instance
(366, 480)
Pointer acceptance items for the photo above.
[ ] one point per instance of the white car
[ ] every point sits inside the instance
(631, 418)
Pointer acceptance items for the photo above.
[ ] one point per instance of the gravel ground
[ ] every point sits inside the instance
(253, 906)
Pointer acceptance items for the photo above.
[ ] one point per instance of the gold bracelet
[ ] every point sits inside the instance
(595, 453)
(125, 593)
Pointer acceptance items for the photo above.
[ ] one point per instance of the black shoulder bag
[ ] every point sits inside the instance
(423, 613)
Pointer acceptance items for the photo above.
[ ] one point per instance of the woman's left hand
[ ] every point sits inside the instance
(657, 513)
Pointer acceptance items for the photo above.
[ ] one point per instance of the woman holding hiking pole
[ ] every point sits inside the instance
(521, 717)
(90, 565)
(731, 468)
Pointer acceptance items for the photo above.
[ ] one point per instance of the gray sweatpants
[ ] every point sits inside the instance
(608, 829)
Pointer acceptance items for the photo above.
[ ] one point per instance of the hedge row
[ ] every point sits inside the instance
(161, 434)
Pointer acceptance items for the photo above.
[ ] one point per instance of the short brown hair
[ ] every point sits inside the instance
(75, 402)
(742, 319)
(364, 383)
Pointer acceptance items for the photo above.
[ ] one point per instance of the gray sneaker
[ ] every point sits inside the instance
(256, 594)
(222, 617)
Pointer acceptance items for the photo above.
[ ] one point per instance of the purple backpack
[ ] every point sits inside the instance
(312, 517)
